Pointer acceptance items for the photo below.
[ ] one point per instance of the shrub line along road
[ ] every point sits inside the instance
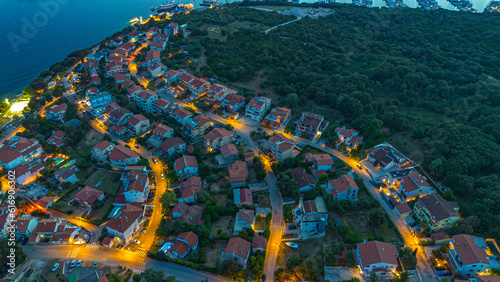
(183, 273)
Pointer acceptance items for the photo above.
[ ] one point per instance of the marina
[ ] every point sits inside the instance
(494, 6)
(463, 5)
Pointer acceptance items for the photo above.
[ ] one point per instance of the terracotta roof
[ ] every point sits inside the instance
(103, 145)
(162, 129)
(347, 133)
(468, 251)
(186, 161)
(171, 142)
(190, 186)
(22, 223)
(310, 206)
(343, 183)
(256, 103)
(323, 159)
(88, 194)
(259, 242)
(238, 170)
(228, 150)
(189, 237)
(217, 87)
(246, 196)
(120, 76)
(56, 109)
(233, 99)
(239, 247)
(180, 247)
(43, 202)
(124, 218)
(199, 82)
(403, 208)
(303, 179)
(153, 55)
(484, 278)
(414, 181)
(119, 113)
(440, 235)
(216, 133)
(189, 214)
(107, 240)
(377, 252)
(438, 207)
(136, 119)
(134, 88)
(182, 113)
(187, 77)
(246, 216)
(121, 153)
(47, 225)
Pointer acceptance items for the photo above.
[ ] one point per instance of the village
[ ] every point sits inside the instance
(151, 161)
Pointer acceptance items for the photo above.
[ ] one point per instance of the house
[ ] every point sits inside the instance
(125, 222)
(127, 83)
(158, 45)
(102, 150)
(189, 189)
(403, 210)
(91, 91)
(184, 243)
(173, 146)
(138, 124)
(145, 99)
(228, 154)
(172, 29)
(44, 203)
(120, 157)
(99, 102)
(467, 255)
(257, 108)
(25, 225)
(186, 166)
(259, 244)
(44, 230)
(238, 173)
(281, 147)
(66, 174)
(161, 37)
(162, 106)
(217, 138)
(197, 125)
(27, 173)
(278, 117)
(134, 36)
(238, 249)
(242, 197)
(95, 80)
(120, 78)
(108, 241)
(215, 90)
(233, 102)
(311, 124)
(116, 42)
(413, 185)
(198, 86)
(152, 58)
(134, 187)
(119, 116)
(436, 211)
(163, 131)
(305, 181)
(156, 69)
(171, 76)
(349, 137)
(119, 130)
(311, 216)
(245, 219)
(385, 156)
(320, 161)
(88, 196)
(56, 112)
(113, 68)
(5, 225)
(187, 214)
(152, 31)
(185, 79)
(134, 90)
(57, 139)
(181, 115)
(18, 151)
(378, 257)
(343, 188)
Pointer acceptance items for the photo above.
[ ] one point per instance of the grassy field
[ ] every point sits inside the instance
(358, 220)
(211, 255)
(264, 201)
(96, 215)
(226, 223)
(109, 181)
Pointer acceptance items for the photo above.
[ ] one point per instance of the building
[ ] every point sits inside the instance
(135, 185)
(413, 185)
(156, 69)
(171, 76)
(257, 107)
(119, 116)
(88, 196)
(311, 216)
(403, 209)
(163, 131)
(278, 117)
(378, 257)
(305, 181)
(145, 99)
(238, 173)
(113, 68)
(320, 161)
(138, 124)
(217, 138)
(162, 106)
(25, 225)
(56, 112)
(120, 157)
(349, 137)
(311, 124)
(233, 102)
(186, 166)
(467, 256)
(238, 249)
(99, 102)
(228, 155)
(259, 244)
(436, 211)
(102, 150)
(245, 219)
(172, 29)
(125, 223)
(198, 87)
(196, 126)
(44, 230)
(281, 147)
(181, 115)
(217, 92)
(242, 197)
(343, 188)
(184, 79)
(158, 46)
(18, 151)
(27, 173)
(184, 243)
(187, 214)
(386, 157)
(189, 189)
(57, 139)
(173, 146)
(66, 174)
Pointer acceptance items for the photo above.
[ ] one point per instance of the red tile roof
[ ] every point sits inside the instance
(121, 153)
(189, 237)
(343, 183)
(377, 252)
(239, 247)
(88, 194)
(468, 251)
(125, 217)
(259, 242)
(186, 161)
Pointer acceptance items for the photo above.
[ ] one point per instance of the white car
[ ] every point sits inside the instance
(135, 241)
(56, 265)
(162, 176)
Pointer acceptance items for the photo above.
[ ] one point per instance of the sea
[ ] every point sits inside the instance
(39, 33)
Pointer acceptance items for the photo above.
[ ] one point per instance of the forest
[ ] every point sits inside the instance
(432, 76)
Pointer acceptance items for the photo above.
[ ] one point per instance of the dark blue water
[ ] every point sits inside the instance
(37, 34)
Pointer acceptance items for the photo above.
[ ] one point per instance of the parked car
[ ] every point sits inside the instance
(56, 265)
(155, 161)
(263, 277)
(359, 166)
(144, 230)
(79, 263)
(292, 226)
(73, 263)
(95, 264)
(439, 268)
(260, 128)
(28, 274)
(162, 176)
(135, 241)
(443, 273)
(136, 146)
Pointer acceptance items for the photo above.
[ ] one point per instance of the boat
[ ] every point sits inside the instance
(292, 245)
(166, 7)
(134, 21)
(209, 3)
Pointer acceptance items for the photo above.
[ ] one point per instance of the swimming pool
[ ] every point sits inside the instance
(58, 160)
(166, 247)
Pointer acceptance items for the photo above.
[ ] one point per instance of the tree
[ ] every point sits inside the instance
(409, 257)
(401, 277)
(136, 277)
(172, 176)
(170, 278)
(287, 185)
(288, 213)
(371, 126)
(377, 217)
(292, 100)
(374, 277)
(153, 275)
(168, 198)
